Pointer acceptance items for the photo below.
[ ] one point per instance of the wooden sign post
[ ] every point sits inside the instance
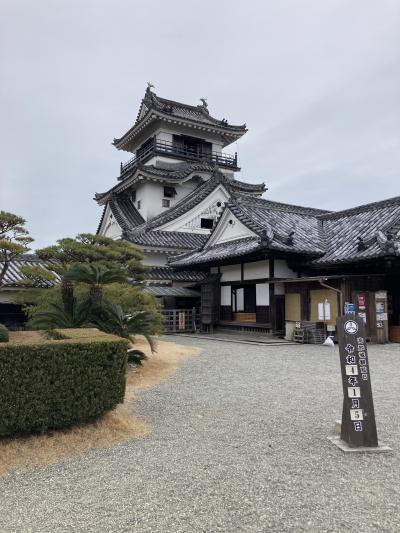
(358, 417)
(358, 427)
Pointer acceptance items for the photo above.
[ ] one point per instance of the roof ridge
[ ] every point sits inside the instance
(361, 208)
(287, 207)
(196, 108)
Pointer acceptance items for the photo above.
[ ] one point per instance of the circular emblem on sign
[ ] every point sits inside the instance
(351, 327)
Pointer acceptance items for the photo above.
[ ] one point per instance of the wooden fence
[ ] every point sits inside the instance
(181, 320)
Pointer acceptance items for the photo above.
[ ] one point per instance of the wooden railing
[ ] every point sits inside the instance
(194, 153)
(181, 320)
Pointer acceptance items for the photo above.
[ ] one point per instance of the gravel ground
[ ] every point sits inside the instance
(239, 444)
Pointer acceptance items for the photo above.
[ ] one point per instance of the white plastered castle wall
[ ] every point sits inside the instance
(207, 208)
(110, 227)
(229, 228)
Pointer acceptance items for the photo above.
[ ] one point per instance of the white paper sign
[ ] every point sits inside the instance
(351, 370)
(327, 310)
(356, 414)
(354, 392)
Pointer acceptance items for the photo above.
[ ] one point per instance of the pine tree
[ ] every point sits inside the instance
(14, 240)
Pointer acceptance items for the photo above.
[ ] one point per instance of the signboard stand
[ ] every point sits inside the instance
(358, 427)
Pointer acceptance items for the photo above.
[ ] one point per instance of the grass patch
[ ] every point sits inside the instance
(27, 337)
(117, 426)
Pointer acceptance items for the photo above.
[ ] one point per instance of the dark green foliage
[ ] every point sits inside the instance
(96, 275)
(56, 316)
(58, 383)
(131, 298)
(111, 318)
(136, 357)
(88, 248)
(4, 336)
(36, 276)
(14, 240)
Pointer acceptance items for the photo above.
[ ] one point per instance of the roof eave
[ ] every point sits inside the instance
(228, 133)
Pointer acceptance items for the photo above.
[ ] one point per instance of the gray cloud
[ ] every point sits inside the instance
(318, 84)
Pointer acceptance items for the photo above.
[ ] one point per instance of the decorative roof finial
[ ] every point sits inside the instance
(150, 86)
(204, 103)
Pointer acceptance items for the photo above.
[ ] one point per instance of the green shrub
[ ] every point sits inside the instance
(58, 383)
(4, 336)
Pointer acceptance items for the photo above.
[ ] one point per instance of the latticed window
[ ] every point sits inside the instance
(169, 192)
(206, 223)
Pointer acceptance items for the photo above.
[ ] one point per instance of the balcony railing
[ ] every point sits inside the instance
(168, 149)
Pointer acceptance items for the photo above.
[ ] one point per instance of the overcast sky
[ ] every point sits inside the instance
(316, 81)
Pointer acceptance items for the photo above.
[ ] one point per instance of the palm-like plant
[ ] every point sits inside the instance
(56, 316)
(96, 275)
(110, 318)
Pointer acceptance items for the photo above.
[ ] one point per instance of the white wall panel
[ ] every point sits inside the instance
(226, 298)
(240, 300)
(231, 273)
(256, 270)
(262, 294)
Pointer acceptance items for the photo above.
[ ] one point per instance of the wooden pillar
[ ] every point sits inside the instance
(304, 302)
(272, 306)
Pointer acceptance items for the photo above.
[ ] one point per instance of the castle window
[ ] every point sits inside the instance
(166, 203)
(138, 204)
(169, 192)
(206, 223)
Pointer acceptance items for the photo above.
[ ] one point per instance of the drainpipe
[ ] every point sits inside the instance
(337, 291)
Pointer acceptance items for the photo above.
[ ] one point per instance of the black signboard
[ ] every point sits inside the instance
(358, 417)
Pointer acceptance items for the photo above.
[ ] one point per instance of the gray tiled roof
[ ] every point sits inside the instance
(368, 224)
(357, 234)
(173, 174)
(166, 239)
(217, 253)
(166, 273)
(162, 290)
(164, 108)
(14, 276)
(291, 228)
(124, 211)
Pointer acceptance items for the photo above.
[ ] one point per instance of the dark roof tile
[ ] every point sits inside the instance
(176, 173)
(162, 107)
(166, 239)
(171, 274)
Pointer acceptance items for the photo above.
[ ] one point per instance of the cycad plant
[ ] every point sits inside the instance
(96, 275)
(56, 316)
(110, 318)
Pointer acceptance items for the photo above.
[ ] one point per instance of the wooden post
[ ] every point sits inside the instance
(272, 315)
(358, 417)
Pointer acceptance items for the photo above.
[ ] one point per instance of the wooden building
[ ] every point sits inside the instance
(275, 266)
(256, 263)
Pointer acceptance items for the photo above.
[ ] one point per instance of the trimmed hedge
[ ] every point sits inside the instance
(4, 335)
(58, 383)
